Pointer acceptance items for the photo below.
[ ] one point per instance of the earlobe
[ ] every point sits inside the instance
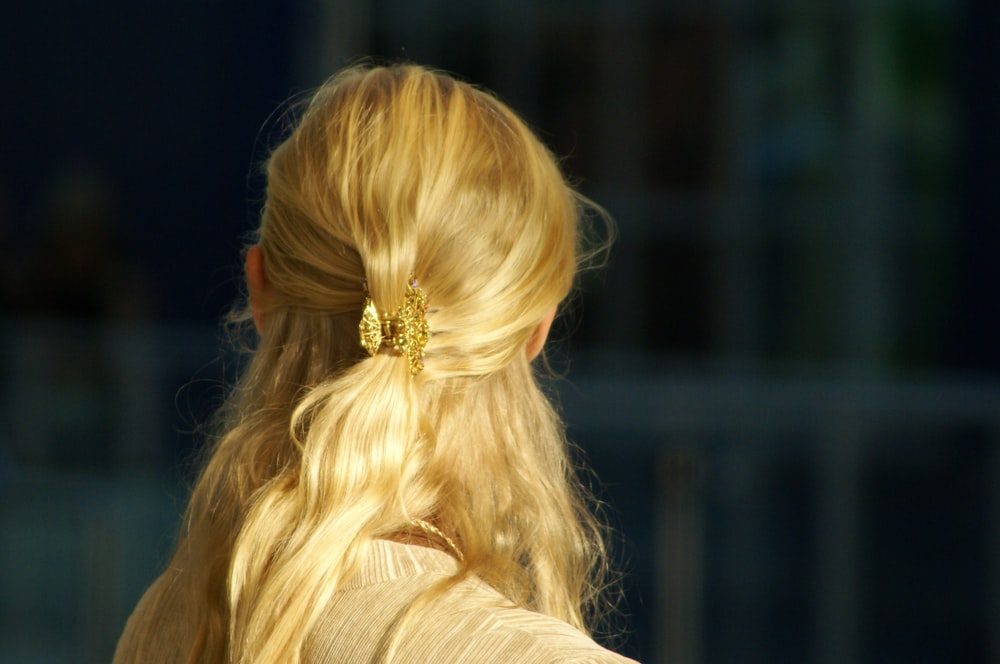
(257, 285)
(541, 333)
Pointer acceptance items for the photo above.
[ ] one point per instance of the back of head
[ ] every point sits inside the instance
(392, 172)
(400, 170)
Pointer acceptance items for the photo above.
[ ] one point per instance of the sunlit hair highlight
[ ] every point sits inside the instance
(389, 171)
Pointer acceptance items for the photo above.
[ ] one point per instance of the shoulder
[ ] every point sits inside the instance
(474, 624)
(380, 611)
(480, 629)
(469, 622)
(160, 628)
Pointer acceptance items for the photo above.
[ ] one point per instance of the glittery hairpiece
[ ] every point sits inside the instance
(407, 331)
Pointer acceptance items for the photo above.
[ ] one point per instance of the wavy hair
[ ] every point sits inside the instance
(388, 171)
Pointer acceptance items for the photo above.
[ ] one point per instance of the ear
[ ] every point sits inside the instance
(539, 336)
(258, 285)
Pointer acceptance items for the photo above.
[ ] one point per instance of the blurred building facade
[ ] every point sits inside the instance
(786, 377)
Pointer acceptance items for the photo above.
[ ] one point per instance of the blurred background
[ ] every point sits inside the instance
(787, 378)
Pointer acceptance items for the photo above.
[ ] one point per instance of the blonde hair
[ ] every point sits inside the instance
(390, 171)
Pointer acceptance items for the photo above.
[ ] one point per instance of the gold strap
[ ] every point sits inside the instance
(431, 529)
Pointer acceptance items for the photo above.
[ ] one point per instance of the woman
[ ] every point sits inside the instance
(390, 483)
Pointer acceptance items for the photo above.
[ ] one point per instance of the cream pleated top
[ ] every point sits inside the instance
(470, 623)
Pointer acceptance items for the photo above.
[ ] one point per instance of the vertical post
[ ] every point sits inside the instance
(619, 143)
(867, 251)
(515, 56)
(680, 548)
(838, 543)
(993, 553)
(736, 227)
(330, 33)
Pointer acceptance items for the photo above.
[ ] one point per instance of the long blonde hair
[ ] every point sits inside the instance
(391, 171)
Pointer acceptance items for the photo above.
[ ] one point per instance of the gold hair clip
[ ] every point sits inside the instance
(407, 331)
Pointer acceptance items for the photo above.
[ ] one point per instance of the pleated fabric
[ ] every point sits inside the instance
(471, 622)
